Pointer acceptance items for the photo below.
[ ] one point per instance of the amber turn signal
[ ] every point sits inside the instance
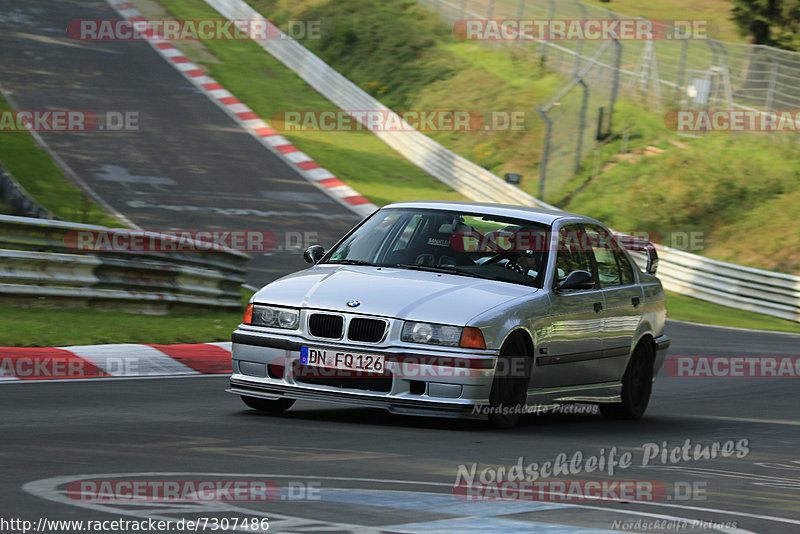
(472, 338)
(248, 314)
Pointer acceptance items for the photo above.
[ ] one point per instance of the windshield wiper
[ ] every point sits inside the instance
(440, 269)
(352, 262)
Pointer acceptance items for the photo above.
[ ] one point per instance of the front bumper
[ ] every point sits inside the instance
(424, 381)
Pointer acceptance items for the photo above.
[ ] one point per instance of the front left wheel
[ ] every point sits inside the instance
(266, 405)
(510, 386)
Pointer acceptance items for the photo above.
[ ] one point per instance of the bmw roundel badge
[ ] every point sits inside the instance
(353, 303)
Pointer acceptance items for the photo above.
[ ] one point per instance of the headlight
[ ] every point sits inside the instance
(433, 334)
(288, 319)
(275, 317)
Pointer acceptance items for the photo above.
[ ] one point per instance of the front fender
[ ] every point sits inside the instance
(530, 313)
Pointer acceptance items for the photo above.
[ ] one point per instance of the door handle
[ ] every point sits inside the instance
(598, 306)
(635, 301)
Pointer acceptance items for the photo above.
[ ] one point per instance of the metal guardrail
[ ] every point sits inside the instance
(728, 284)
(38, 258)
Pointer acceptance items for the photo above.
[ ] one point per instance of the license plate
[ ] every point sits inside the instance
(337, 359)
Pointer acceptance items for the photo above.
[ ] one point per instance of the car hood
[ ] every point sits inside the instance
(391, 292)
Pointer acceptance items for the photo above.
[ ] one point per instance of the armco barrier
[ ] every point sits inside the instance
(732, 285)
(728, 284)
(36, 260)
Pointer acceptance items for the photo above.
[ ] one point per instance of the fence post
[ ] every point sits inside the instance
(463, 9)
(615, 73)
(551, 13)
(726, 74)
(490, 10)
(581, 124)
(681, 70)
(773, 78)
(520, 14)
(545, 150)
(579, 51)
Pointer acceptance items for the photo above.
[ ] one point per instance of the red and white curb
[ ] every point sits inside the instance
(113, 361)
(251, 122)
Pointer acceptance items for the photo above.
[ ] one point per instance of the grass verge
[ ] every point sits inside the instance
(686, 308)
(49, 327)
(29, 327)
(34, 169)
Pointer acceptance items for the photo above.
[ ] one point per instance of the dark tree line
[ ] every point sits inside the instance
(769, 22)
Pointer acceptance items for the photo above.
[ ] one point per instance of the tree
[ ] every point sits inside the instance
(768, 22)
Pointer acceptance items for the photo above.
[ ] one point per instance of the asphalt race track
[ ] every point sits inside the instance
(337, 469)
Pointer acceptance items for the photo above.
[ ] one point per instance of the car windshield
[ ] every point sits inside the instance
(466, 244)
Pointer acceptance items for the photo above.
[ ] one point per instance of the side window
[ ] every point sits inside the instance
(625, 268)
(572, 255)
(604, 255)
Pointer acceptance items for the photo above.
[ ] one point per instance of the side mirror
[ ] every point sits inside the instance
(577, 280)
(313, 254)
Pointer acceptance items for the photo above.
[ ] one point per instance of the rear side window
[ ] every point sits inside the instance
(604, 255)
(625, 268)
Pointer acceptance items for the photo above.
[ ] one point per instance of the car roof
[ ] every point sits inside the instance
(484, 208)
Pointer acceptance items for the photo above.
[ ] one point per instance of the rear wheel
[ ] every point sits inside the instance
(510, 385)
(266, 405)
(637, 385)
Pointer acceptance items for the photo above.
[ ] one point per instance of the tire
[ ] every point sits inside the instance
(510, 388)
(269, 406)
(637, 385)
